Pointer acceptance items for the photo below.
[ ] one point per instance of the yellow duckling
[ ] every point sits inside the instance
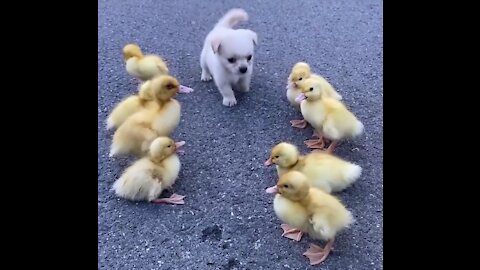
(323, 171)
(301, 71)
(312, 210)
(145, 67)
(130, 105)
(330, 117)
(149, 176)
(133, 104)
(160, 119)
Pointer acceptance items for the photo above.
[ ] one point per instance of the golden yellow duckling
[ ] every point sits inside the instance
(145, 67)
(133, 104)
(323, 171)
(330, 117)
(140, 129)
(312, 210)
(301, 71)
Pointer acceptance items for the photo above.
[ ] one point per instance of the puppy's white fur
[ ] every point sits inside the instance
(224, 43)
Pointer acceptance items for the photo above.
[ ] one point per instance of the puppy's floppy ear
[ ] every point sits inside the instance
(216, 45)
(253, 35)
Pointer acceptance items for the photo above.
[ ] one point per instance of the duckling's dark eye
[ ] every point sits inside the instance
(170, 86)
(277, 156)
(286, 186)
(311, 88)
(300, 79)
(249, 57)
(232, 60)
(169, 146)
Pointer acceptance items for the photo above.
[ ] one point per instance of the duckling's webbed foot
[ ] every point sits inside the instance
(317, 254)
(318, 135)
(291, 233)
(315, 143)
(174, 199)
(332, 147)
(299, 123)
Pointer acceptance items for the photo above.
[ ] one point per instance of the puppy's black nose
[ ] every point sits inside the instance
(243, 69)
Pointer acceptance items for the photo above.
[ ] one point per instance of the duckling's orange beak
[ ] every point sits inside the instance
(185, 90)
(178, 145)
(273, 189)
(300, 97)
(268, 162)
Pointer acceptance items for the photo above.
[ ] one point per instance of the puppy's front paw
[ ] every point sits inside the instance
(229, 102)
(206, 77)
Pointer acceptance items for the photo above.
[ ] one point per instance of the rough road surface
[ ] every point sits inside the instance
(228, 220)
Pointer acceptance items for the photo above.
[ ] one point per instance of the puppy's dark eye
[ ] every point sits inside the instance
(311, 88)
(249, 57)
(232, 60)
(277, 156)
(286, 186)
(300, 79)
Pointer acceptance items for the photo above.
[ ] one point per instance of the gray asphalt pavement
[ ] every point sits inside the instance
(228, 220)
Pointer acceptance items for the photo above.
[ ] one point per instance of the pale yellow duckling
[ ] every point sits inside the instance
(323, 170)
(330, 117)
(301, 71)
(146, 67)
(312, 210)
(140, 129)
(149, 176)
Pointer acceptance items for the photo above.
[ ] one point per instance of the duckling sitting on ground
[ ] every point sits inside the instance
(149, 176)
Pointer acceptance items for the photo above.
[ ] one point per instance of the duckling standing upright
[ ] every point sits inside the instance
(149, 176)
(160, 119)
(302, 71)
(323, 171)
(330, 118)
(311, 210)
(130, 105)
(145, 67)
(133, 104)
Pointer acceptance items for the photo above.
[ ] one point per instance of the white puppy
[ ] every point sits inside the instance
(227, 55)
